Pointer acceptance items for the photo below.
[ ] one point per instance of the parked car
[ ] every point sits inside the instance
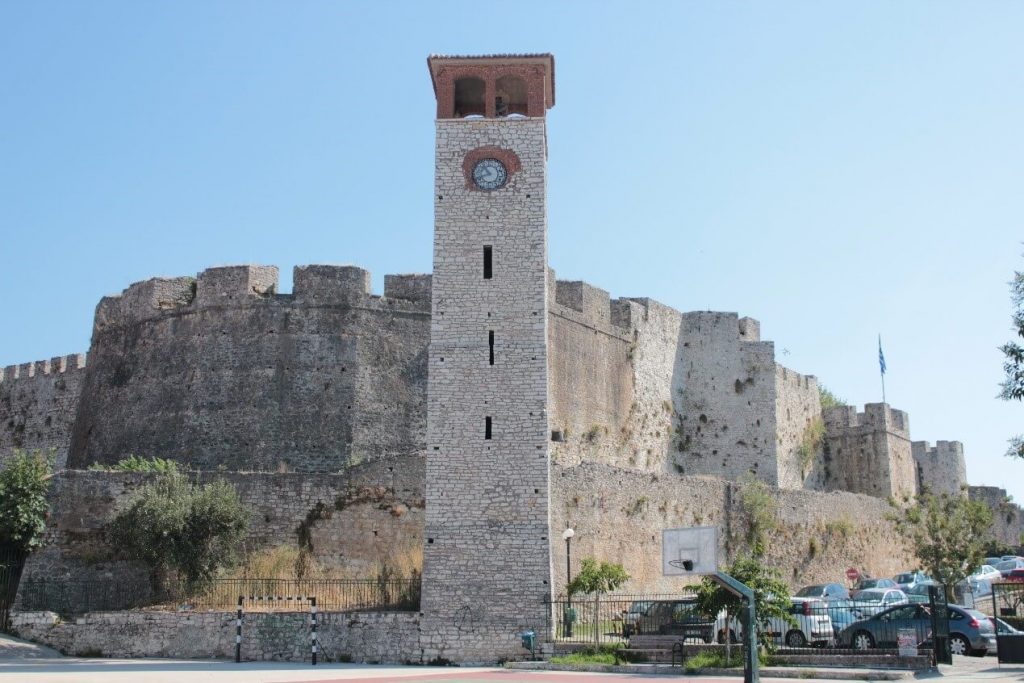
(824, 591)
(908, 579)
(985, 572)
(873, 601)
(919, 593)
(668, 617)
(868, 583)
(1006, 566)
(1012, 557)
(1015, 574)
(992, 560)
(1004, 629)
(842, 613)
(811, 625)
(970, 631)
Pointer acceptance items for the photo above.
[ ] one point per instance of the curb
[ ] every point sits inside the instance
(768, 672)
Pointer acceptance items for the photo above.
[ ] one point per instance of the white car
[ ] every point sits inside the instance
(985, 573)
(874, 600)
(813, 626)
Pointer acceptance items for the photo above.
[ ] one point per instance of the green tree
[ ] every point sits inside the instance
(176, 526)
(597, 578)
(771, 597)
(948, 534)
(1013, 365)
(24, 481)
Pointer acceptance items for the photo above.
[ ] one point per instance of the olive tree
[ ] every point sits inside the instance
(183, 528)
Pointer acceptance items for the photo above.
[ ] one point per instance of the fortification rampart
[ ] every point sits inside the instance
(618, 516)
(1007, 516)
(940, 469)
(799, 430)
(351, 521)
(869, 452)
(727, 416)
(38, 402)
(222, 371)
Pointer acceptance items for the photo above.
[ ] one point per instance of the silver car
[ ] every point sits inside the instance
(970, 631)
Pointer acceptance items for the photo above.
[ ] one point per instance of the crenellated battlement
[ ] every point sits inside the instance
(58, 365)
(876, 417)
(594, 305)
(788, 377)
(412, 287)
(231, 286)
(940, 469)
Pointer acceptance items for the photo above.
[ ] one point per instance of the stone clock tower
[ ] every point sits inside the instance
(487, 559)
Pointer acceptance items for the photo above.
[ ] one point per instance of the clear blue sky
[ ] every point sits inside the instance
(836, 170)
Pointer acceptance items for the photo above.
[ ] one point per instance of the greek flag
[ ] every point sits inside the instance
(881, 356)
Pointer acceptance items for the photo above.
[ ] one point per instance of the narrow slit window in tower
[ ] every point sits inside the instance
(490, 342)
(487, 261)
(487, 427)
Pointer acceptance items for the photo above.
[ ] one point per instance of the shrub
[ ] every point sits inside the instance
(176, 526)
(134, 463)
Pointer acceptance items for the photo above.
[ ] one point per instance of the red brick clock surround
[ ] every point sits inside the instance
(506, 156)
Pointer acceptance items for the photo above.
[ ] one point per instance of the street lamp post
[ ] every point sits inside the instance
(569, 615)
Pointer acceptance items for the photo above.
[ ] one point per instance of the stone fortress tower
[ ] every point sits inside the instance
(487, 392)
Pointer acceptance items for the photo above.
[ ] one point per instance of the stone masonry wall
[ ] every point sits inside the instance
(38, 403)
(373, 637)
(728, 409)
(355, 520)
(487, 493)
(618, 515)
(221, 371)
(869, 452)
(940, 469)
(1007, 516)
(798, 417)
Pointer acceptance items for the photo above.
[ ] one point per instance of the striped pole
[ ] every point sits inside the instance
(238, 633)
(312, 614)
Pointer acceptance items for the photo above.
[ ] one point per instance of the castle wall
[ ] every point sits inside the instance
(38, 402)
(940, 469)
(354, 520)
(372, 637)
(869, 452)
(1007, 516)
(798, 418)
(727, 413)
(223, 372)
(591, 374)
(619, 514)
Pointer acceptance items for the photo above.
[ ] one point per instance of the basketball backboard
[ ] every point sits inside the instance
(693, 550)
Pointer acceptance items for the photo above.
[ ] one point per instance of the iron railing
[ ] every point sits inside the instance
(810, 628)
(337, 595)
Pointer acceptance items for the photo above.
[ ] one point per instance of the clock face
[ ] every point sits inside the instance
(489, 174)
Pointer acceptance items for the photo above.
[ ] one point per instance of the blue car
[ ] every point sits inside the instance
(970, 631)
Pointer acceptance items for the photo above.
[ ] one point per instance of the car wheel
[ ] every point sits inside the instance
(958, 645)
(796, 639)
(862, 640)
(708, 638)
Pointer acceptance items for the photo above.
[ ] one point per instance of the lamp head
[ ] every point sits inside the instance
(567, 534)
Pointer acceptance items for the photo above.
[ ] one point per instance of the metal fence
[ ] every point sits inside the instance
(11, 563)
(336, 595)
(610, 619)
(811, 627)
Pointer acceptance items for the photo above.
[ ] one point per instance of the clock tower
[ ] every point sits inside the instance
(487, 551)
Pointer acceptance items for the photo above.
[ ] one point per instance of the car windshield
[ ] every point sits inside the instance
(810, 591)
(868, 596)
(904, 578)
